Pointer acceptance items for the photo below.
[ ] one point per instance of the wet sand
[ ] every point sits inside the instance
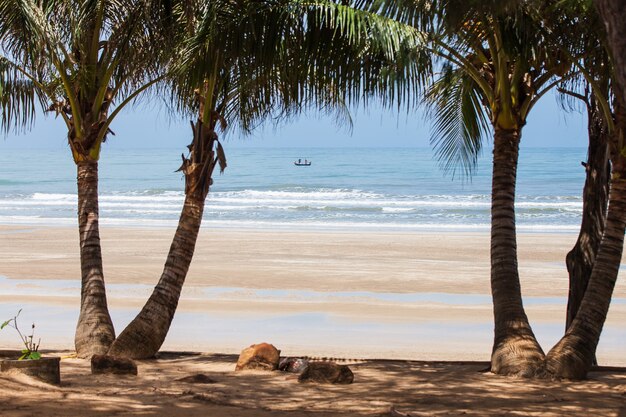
(419, 296)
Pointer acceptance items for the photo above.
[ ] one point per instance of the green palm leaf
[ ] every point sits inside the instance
(18, 99)
(81, 54)
(460, 124)
(281, 57)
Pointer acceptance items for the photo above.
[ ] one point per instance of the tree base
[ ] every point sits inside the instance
(521, 357)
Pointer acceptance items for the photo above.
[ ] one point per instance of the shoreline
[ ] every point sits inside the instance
(287, 227)
(342, 294)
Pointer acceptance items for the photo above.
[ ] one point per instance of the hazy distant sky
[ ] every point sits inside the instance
(140, 127)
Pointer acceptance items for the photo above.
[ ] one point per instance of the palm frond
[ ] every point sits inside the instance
(18, 99)
(277, 58)
(460, 122)
(87, 56)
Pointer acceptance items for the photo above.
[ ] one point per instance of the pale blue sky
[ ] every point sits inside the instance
(548, 125)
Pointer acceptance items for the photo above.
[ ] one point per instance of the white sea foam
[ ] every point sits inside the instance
(45, 221)
(397, 209)
(337, 196)
(53, 197)
(249, 202)
(322, 193)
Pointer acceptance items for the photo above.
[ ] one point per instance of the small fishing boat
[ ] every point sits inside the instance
(301, 163)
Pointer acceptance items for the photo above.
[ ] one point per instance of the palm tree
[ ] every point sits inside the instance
(573, 355)
(496, 67)
(580, 259)
(81, 56)
(592, 87)
(454, 98)
(246, 60)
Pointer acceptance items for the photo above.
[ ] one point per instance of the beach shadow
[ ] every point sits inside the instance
(410, 387)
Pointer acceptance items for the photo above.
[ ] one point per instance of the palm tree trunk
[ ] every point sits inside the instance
(144, 336)
(580, 259)
(573, 355)
(515, 348)
(94, 331)
(613, 13)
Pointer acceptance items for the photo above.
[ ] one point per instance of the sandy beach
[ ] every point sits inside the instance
(386, 302)
(359, 295)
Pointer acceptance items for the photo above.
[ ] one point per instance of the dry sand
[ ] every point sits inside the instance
(419, 296)
(409, 388)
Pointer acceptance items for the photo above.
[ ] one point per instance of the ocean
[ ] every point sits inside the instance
(401, 189)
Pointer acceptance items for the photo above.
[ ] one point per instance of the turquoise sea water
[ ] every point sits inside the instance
(399, 189)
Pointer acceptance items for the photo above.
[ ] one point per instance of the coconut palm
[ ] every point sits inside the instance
(591, 88)
(88, 59)
(496, 68)
(580, 259)
(454, 98)
(246, 60)
(573, 355)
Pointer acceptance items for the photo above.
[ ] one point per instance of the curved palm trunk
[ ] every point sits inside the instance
(144, 336)
(573, 355)
(580, 259)
(94, 331)
(515, 348)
